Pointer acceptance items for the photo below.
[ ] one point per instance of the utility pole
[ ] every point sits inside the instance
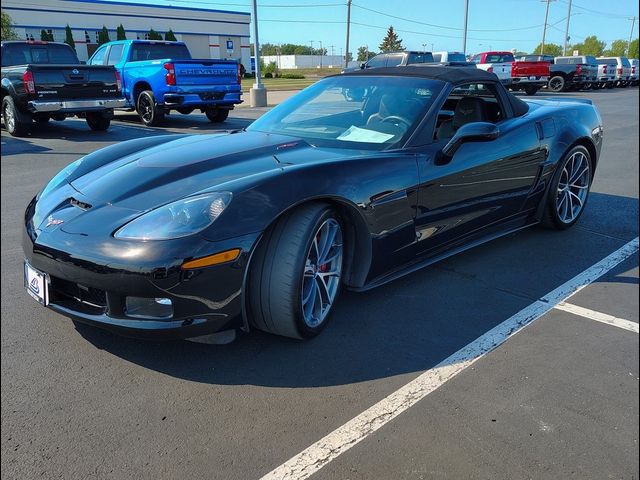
(346, 55)
(544, 31)
(466, 19)
(258, 94)
(566, 32)
(633, 24)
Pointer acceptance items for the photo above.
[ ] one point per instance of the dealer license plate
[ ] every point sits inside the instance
(532, 78)
(36, 284)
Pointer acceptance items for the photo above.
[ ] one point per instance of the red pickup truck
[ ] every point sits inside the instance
(529, 76)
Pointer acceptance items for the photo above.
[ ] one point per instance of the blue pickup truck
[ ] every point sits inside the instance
(159, 76)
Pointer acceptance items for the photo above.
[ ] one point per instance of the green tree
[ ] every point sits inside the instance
(69, 37)
(590, 46)
(120, 33)
(618, 49)
(364, 54)
(633, 49)
(391, 43)
(153, 35)
(170, 36)
(45, 36)
(8, 33)
(549, 49)
(103, 35)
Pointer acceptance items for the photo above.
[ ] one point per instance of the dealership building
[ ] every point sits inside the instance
(207, 32)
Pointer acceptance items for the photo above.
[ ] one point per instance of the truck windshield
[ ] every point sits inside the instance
(361, 112)
(157, 51)
(24, 53)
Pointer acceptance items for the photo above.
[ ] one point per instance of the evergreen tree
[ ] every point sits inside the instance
(69, 37)
(153, 35)
(391, 43)
(120, 33)
(169, 36)
(103, 35)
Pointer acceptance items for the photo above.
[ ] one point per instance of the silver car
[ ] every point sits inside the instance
(606, 73)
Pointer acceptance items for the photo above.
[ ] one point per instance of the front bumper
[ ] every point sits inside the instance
(72, 106)
(92, 288)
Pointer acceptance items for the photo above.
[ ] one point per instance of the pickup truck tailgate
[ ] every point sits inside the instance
(530, 69)
(205, 72)
(72, 82)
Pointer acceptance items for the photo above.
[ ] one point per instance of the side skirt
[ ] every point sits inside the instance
(415, 266)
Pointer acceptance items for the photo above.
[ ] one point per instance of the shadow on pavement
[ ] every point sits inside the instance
(407, 326)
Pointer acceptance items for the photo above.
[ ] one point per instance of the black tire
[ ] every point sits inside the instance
(552, 218)
(185, 110)
(59, 117)
(148, 110)
(557, 84)
(611, 85)
(216, 115)
(531, 90)
(11, 120)
(278, 268)
(97, 122)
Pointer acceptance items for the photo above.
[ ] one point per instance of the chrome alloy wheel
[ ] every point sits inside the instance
(573, 187)
(9, 118)
(322, 272)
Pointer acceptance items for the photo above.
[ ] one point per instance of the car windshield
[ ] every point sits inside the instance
(353, 111)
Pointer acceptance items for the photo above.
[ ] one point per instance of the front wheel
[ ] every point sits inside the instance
(148, 110)
(296, 273)
(97, 122)
(531, 90)
(569, 189)
(216, 115)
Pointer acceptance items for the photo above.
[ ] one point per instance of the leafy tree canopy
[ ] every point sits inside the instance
(590, 46)
(633, 49)
(549, 49)
(8, 33)
(618, 49)
(364, 54)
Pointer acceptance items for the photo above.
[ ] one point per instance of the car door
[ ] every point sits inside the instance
(485, 182)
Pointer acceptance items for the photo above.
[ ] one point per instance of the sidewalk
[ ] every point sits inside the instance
(273, 97)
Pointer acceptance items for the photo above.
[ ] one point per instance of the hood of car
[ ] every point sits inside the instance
(188, 165)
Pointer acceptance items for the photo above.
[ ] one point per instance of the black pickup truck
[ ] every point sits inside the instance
(45, 80)
(568, 73)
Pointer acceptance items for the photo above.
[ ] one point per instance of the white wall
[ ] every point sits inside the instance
(304, 61)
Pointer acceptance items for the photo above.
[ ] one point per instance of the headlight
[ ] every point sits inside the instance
(178, 219)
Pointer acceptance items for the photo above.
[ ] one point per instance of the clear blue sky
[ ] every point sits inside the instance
(495, 24)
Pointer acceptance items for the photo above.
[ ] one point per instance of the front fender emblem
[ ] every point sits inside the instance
(53, 221)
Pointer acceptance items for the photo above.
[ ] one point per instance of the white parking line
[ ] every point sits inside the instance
(316, 456)
(598, 316)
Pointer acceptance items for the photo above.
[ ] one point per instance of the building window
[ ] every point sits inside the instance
(86, 37)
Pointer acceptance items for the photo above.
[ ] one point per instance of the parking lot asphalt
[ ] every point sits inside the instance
(557, 400)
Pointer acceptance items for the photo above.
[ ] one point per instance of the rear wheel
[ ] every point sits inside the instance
(296, 273)
(97, 122)
(216, 115)
(569, 189)
(148, 110)
(557, 83)
(11, 118)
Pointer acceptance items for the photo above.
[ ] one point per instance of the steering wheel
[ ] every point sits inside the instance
(395, 119)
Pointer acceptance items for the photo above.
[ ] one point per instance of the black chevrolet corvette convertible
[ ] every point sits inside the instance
(355, 181)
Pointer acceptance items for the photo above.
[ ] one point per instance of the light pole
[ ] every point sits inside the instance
(566, 31)
(466, 19)
(346, 55)
(424, 48)
(432, 47)
(312, 55)
(258, 94)
(633, 24)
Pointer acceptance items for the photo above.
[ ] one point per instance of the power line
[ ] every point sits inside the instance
(598, 12)
(444, 26)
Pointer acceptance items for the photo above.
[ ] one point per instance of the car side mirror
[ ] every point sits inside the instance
(470, 132)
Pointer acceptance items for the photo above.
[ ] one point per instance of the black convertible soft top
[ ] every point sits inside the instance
(446, 74)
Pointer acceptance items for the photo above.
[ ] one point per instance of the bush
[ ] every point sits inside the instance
(292, 75)
(268, 75)
(271, 68)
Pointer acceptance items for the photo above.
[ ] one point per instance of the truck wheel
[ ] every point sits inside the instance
(97, 122)
(42, 119)
(148, 110)
(185, 110)
(557, 83)
(216, 115)
(10, 116)
(531, 90)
